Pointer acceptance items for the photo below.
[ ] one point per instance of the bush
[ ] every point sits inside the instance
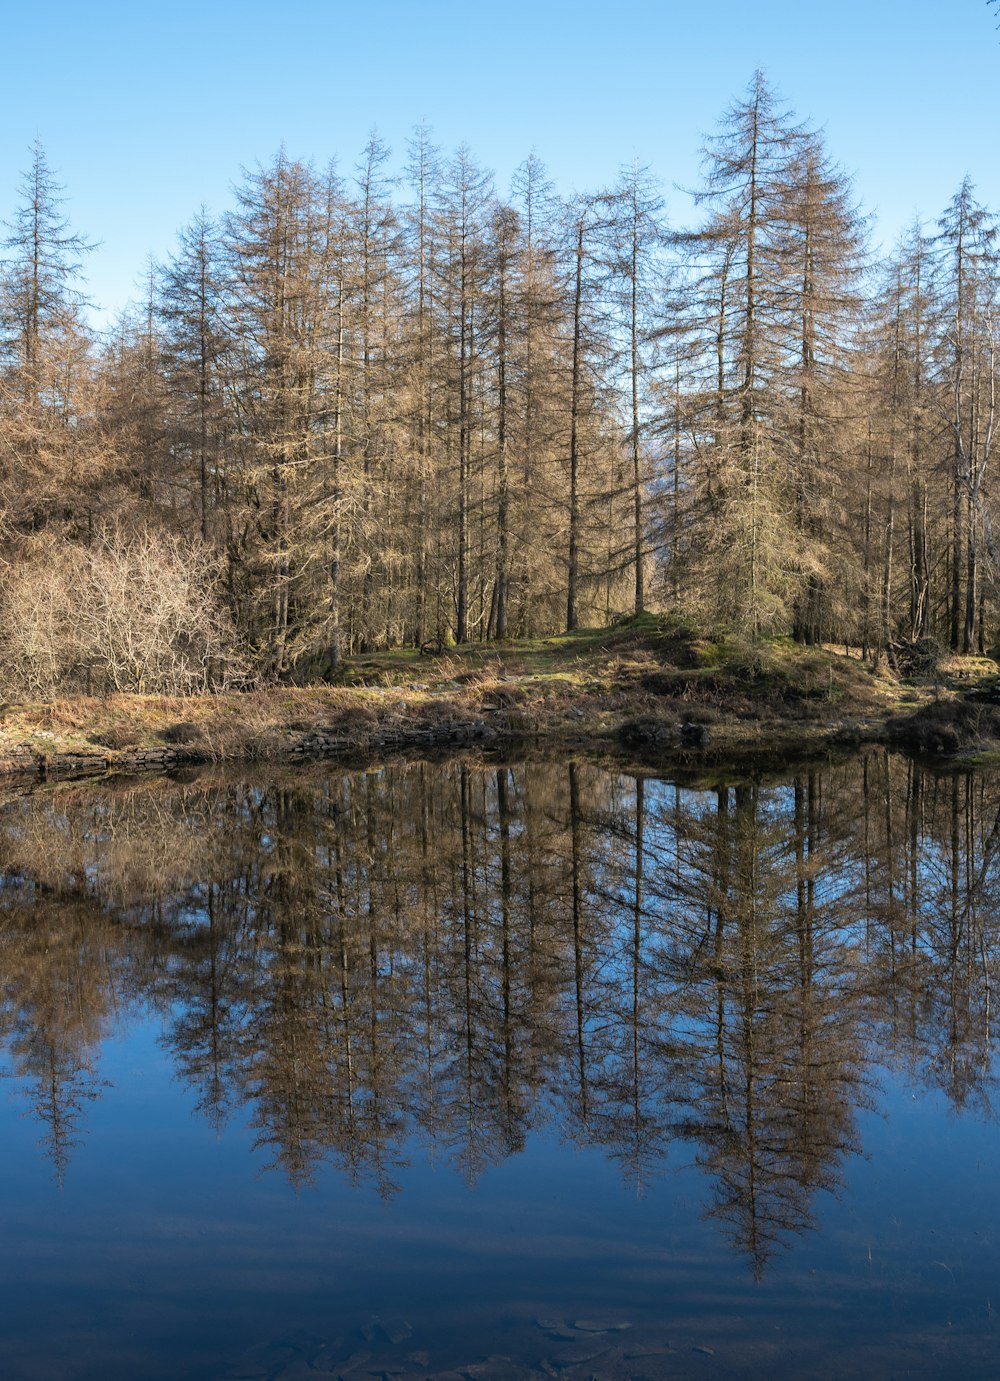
(944, 727)
(184, 732)
(920, 658)
(131, 611)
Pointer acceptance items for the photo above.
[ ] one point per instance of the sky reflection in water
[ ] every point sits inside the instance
(407, 1070)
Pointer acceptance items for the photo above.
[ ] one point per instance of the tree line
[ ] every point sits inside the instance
(361, 410)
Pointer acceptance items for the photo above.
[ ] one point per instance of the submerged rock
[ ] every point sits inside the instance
(299, 1370)
(576, 1356)
(356, 1359)
(396, 1330)
(497, 1367)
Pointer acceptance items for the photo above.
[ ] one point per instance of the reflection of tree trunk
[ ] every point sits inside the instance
(377, 1036)
(955, 928)
(640, 812)
(529, 849)
(745, 905)
(720, 893)
(345, 969)
(428, 938)
(805, 845)
(503, 811)
(914, 786)
(467, 943)
(574, 815)
(806, 836)
(216, 1096)
(890, 864)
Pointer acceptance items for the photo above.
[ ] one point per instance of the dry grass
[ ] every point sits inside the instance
(581, 684)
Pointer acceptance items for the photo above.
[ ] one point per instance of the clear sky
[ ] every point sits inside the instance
(146, 110)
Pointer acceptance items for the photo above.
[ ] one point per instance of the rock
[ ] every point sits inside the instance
(264, 1360)
(645, 732)
(327, 1359)
(299, 1370)
(694, 735)
(306, 1342)
(576, 1356)
(600, 1326)
(356, 1359)
(396, 1330)
(496, 1368)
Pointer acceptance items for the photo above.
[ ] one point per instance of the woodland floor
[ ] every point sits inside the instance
(648, 688)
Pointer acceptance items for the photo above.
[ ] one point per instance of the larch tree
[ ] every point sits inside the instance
(820, 249)
(373, 235)
(535, 580)
(965, 297)
(277, 246)
(637, 236)
(466, 197)
(585, 223)
(779, 261)
(501, 327)
(421, 348)
(190, 306)
(44, 353)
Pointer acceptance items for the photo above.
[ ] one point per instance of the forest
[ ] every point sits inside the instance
(361, 410)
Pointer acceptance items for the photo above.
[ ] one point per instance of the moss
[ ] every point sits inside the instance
(945, 725)
(590, 683)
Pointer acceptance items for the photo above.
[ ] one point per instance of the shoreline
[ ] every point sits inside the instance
(409, 728)
(642, 690)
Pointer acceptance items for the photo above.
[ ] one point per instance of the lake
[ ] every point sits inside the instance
(519, 1070)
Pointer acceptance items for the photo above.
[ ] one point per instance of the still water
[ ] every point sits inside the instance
(503, 1071)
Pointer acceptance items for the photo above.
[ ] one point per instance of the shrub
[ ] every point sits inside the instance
(185, 732)
(130, 611)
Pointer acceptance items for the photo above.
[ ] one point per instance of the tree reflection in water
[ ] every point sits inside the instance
(437, 959)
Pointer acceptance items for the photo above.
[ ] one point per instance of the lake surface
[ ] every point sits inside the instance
(531, 1070)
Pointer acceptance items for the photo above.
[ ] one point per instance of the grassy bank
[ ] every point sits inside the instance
(649, 685)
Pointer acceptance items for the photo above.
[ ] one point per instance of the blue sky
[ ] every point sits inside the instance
(146, 111)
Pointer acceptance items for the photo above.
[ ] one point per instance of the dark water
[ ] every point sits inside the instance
(441, 1069)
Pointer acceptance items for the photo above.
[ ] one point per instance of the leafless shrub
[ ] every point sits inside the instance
(131, 611)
